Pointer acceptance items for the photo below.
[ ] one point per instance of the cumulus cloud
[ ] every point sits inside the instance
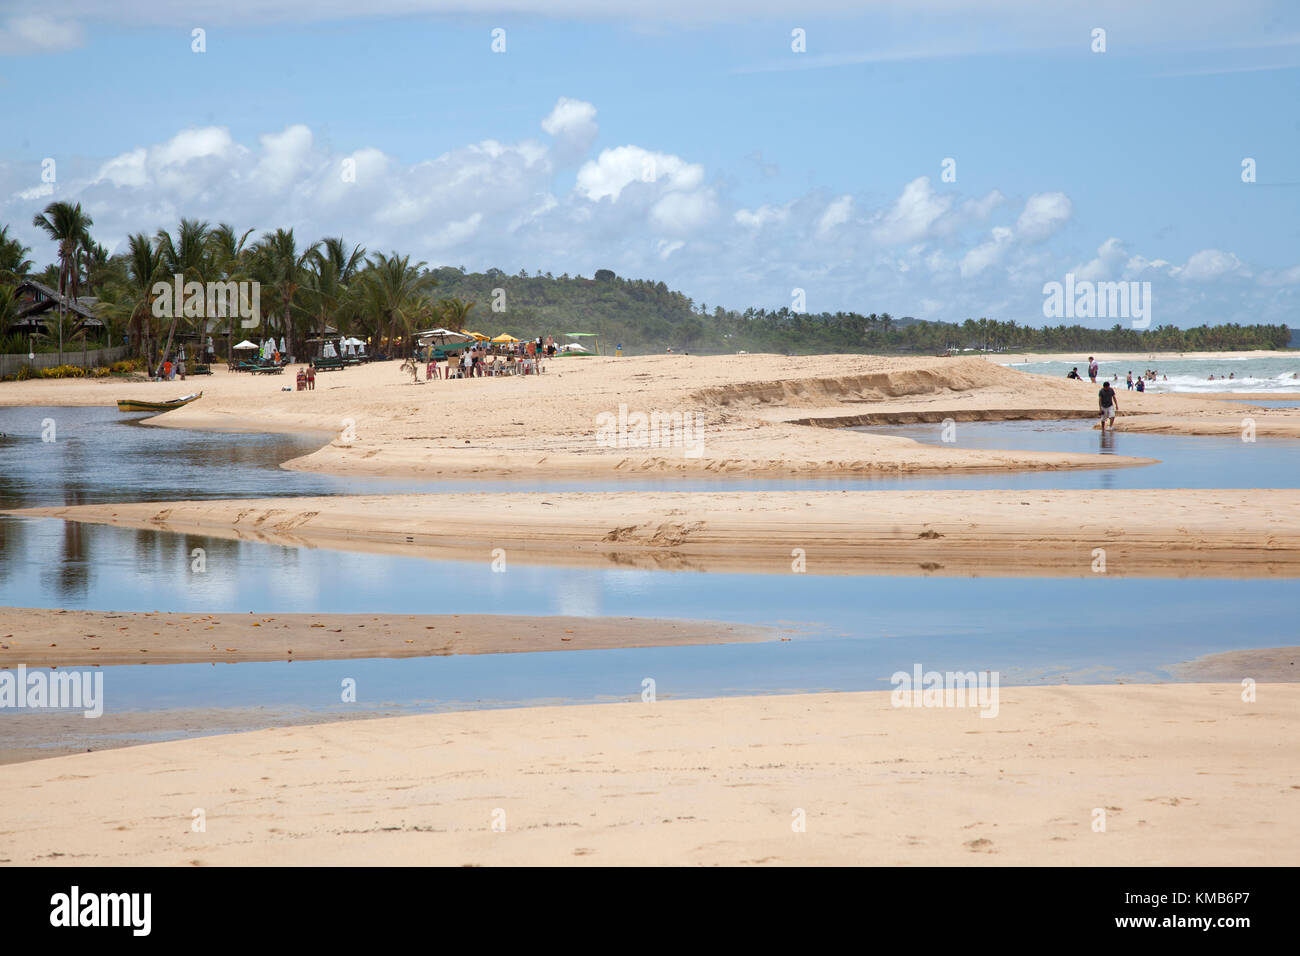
(987, 254)
(572, 124)
(615, 169)
(1110, 258)
(1043, 215)
(836, 214)
(644, 212)
(913, 214)
(1212, 264)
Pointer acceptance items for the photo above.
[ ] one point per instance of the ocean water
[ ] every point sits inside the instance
(1254, 376)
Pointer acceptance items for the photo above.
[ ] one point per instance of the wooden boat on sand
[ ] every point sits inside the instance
(131, 405)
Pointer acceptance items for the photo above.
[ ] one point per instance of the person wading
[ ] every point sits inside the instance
(1107, 401)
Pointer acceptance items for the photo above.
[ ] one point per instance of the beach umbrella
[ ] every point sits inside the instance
(477, 335)
(283, 350)
(246, 345)
(504, 337)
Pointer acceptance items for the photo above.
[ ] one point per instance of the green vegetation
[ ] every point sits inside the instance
(309, 290)
(646, 317)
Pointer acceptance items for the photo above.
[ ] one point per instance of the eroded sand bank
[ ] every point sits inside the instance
(1182, 533)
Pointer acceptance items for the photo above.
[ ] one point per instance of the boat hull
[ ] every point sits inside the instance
(130, 405)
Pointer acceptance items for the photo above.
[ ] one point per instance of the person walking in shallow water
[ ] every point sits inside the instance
(1093, 369)
(1108, 402)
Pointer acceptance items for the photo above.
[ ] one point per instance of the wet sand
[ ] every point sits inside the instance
(1144, 533)
(39, 637)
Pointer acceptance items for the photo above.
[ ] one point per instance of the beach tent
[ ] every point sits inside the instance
(586, 335)
(505, 337)
(246, 345)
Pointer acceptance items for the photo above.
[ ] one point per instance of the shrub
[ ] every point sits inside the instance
(100, 371)
(63, 371)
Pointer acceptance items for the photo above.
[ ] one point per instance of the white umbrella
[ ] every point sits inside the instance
(283, 350)
(246, 345)
(329, 350)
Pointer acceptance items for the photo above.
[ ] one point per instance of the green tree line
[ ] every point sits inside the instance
(309, 287)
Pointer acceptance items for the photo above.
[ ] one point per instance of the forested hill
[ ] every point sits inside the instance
(646, 316)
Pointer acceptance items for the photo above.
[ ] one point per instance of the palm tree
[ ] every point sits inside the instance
(14, 264)
(226, 252)
(330, 286)
(67, 225)
(230, 258)
(278, 263)
(186, 255)
(131, 300)
(395, 292)
(456, 312)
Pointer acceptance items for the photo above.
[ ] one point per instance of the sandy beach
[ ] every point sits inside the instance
(1177, 775)
(749, 415)
(677, 781)
(1208, 533)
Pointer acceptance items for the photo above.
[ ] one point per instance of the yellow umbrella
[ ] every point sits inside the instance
(503, 337)
(478, 335)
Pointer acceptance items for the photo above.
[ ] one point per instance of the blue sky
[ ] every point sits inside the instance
(688, 142)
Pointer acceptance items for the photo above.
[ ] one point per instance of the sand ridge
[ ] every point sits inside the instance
(1157, 533)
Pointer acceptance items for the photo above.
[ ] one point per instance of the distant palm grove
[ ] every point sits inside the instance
(311, 289)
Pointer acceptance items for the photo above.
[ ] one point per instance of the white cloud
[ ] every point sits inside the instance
(679, 212)
(36, 192)
(913, 214)
(762, 216)
(988, 253)
(1212, 264)
(284, 157)
(1044, 214)
(836, 214)
(1110, 258)
(615, 169)
(572, 123)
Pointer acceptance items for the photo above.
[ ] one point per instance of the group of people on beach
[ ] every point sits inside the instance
(483, 359)
(1141, 384)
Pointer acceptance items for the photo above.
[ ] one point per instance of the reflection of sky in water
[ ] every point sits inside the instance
(856, 630)
(1185, 461)
(850, 631)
